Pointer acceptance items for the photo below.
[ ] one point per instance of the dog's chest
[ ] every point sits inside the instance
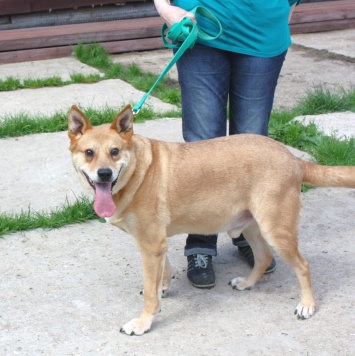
(120, 223)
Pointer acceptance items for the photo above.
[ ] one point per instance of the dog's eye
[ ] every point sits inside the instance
(89, 153)
(114, 152)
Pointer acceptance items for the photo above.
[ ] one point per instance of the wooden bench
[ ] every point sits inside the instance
(58, 41)
(323, 16)
(144, 33)
(11, 7)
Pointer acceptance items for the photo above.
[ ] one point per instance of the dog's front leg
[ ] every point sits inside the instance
(153, 258)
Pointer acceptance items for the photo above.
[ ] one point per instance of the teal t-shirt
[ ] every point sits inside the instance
(254, 27)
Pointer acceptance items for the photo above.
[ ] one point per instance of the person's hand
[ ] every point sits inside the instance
(175, 14)
(172, 14)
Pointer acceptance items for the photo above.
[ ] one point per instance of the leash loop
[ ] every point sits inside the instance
(183, 36)
(181, 31)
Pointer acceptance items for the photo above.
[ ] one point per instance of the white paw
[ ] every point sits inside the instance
(136, 327)
(303, 312)
(239, 283)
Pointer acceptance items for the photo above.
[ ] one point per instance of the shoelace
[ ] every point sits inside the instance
(201, 261)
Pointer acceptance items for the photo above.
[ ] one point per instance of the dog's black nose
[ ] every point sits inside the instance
(104, 174)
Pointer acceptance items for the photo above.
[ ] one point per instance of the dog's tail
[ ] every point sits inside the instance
(325, 176)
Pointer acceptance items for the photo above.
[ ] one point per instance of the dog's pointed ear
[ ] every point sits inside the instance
(123, 123)
(78, 123)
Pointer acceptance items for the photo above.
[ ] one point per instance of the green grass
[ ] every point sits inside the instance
(41, 83)
(10, 83)
(332, 152)
(321, 101)
(166, 90)
(326, 150)
(94, 55)
(80, 211)
(25, 124)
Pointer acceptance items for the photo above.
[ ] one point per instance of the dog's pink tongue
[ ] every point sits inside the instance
(104, 205)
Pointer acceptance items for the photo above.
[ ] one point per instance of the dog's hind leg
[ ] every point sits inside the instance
(262, 258)
(280, 229)
(153, 251)
(289, 252)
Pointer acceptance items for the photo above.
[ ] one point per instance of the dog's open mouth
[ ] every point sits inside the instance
(104, 205)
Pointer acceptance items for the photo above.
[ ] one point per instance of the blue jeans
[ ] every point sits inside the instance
(210, 79)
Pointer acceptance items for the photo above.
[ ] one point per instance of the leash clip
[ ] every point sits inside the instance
(135, 112)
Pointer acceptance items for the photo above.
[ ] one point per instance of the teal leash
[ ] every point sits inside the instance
(183, 36)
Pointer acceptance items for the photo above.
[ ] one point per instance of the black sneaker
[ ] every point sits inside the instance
(247, 253)
(200, 271)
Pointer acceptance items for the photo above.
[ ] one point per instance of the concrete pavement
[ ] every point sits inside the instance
(68, 291)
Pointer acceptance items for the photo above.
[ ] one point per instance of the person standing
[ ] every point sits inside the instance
(236, 74)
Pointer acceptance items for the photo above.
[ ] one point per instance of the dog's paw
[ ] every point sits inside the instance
(239, 283)
(304, 312)
(136, 327)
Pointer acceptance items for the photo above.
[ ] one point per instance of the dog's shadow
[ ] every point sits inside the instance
(185, 302)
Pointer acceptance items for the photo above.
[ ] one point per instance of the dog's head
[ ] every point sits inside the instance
(101, 154)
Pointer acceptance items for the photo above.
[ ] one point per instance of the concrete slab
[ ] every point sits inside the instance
(149, 61)
(47, 101)
(40, 171)
(303, 70)
(341, 125)
(60, 67)
(339, 42)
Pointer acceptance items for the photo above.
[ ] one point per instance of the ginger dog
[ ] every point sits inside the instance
(153, 189)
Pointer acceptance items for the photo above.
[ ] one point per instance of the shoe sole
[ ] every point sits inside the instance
(202, 286)
(270, 270)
